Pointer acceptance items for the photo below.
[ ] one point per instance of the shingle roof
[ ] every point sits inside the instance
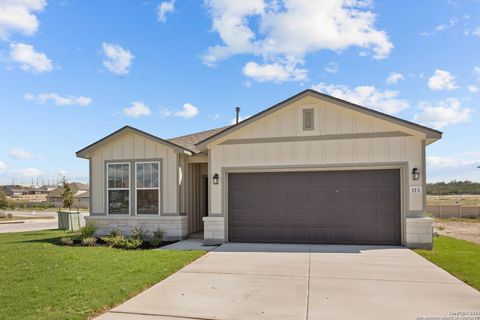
(188, 141)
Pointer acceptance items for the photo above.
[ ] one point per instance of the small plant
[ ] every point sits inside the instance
(157, 238)
(139, 233)
(66, 241)
(67, 194)
(88, 231)
(115, 233)
(89, 241)
(441, 228)
(128, 244)
(112, 240)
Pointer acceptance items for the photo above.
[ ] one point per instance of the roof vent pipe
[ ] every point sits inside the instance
(237, 110)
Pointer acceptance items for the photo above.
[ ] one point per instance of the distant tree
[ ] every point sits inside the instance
(3, 200)
(67, 194)
(453, 187)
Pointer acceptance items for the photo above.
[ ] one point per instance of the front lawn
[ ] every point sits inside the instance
(458, 257)
(41, 280)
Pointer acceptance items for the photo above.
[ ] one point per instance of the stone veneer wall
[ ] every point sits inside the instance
(419, 233)
(214, 230)
(174, 227)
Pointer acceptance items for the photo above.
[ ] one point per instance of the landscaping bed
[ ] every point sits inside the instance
(458, 257)
(42, 280)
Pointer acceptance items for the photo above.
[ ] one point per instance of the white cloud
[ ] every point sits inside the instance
(367, 96)
(137, 109)
(29, 172)
(275, 72)
(454, 167)
(443, 113)
(442, 80)
(394, 77)
(476, 71)
(332, 67)
(117, 59)
(284, 32)
(476, 31)
(21, 154)
(29, 59)
(188, 111)
(452, 22)
(2, 166)
(472, 88)
(58, 99)
(164, 9)
(19, 16)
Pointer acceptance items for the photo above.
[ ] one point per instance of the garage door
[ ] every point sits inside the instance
(338, 207)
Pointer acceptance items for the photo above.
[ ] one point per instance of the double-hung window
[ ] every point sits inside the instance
(147, 187)
(118, 188)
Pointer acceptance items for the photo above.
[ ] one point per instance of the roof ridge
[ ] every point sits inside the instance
(199, 132)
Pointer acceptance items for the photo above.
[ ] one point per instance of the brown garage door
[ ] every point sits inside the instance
(338, 207)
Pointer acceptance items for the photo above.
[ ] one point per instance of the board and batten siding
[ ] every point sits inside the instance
(128, 147)
(329, 119)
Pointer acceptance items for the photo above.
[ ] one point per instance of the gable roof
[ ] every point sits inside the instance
(430, 133)
(84, 153)
(188, 141)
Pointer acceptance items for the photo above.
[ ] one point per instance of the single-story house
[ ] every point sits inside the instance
(81, 195)
(310, 169)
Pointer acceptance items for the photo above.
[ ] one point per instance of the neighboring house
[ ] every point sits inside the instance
(17, 190)
(81, 194)
(310, 169)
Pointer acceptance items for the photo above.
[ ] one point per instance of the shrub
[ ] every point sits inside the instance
(88, 231)
(139, 233)
(129, 244)
(66, 241)
(157, 238)
(112, 240)
(89, 241)
(115, 232)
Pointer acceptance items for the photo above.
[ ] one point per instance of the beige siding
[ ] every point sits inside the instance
(329, 119)
(135, 147)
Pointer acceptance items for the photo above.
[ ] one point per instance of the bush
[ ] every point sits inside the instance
(129, 244)
(112, 240)
(89, 241)
(157, 238)
(139, 234)
(115, 232)
(66, 241)
(88, 231)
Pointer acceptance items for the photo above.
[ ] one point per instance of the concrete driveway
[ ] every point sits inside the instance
(266, 281)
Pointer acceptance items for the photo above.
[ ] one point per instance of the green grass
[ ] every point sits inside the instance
(458, 257)
(41, 280)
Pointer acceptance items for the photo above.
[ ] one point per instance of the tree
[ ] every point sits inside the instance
(67, 194)
(3, 200)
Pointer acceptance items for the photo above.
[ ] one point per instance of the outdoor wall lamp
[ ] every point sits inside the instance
(215, 178)
(415, 174)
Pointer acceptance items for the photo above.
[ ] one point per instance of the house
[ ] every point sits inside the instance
(81, 195)
(16, 190)
(310, 169)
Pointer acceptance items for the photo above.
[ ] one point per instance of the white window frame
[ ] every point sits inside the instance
(135, 210)
(129, 189)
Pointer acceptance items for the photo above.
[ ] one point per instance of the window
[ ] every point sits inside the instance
(147, 187)
(118, 188)
(308, 119)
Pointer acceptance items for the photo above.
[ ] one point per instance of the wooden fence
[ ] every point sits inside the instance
(454, 211)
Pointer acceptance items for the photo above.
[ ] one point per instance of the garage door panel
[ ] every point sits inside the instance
(345, 207)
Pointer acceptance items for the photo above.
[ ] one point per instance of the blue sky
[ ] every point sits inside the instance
(72, 72)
